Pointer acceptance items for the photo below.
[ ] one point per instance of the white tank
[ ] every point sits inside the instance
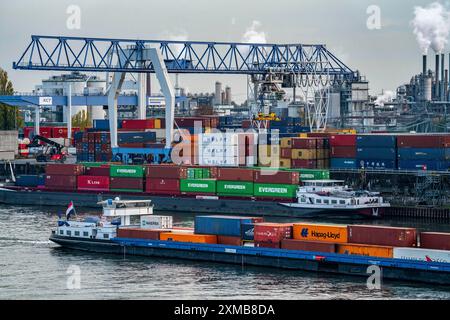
(427, 88)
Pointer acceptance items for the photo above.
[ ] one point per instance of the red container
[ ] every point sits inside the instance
(100, 183)
(435, 240)
(343, 140)
(162, 184)
(234, 174)
(97, 171)
(126, 183)
(231, 241)
(45, 132)
(304, 143)
(343, 152)
(271, 245)
(383, 236)
(422, 141)
(59, 132)
(280, 177)
(312, 246)
(286, 153)
(138, 124)
(64, 169)
(139, 233)
(28, 132)
(300, 163)
(163, 171)
(59, 182)
(272, 232)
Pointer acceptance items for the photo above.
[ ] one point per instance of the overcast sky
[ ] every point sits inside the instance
(387, 57)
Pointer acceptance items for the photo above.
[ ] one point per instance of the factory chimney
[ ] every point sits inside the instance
(442, 86)
(424, 65)
(436, 79)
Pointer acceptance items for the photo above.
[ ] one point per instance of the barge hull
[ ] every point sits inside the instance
(170, 204)
(232, 255)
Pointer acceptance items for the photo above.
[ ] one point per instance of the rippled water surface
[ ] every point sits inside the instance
(31, 267)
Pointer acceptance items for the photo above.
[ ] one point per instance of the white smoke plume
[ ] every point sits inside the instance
(431, 26)
(386, 97)
(253, 34)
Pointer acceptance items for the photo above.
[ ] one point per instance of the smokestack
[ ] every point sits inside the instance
(446, 85)
(436, 79)
(442, 76)
(424, 64)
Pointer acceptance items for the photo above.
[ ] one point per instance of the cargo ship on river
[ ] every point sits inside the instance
(338, 249)
(217, 190)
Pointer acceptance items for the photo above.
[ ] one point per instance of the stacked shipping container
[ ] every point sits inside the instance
(307, 152)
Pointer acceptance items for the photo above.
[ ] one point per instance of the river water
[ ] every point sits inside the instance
(31, 267)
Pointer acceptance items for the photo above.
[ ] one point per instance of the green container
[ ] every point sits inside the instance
(235, 188)
(275, 190)
(198, 185)
(127, 190)
(313, 174)
(126, 171)
(191, 173)
(92, 164)
(205, 173)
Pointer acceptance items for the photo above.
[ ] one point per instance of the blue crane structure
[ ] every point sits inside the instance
(311, 64)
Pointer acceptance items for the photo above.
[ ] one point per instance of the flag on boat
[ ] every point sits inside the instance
(70, 210)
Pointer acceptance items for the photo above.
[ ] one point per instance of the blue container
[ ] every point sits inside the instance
(343, 163)
(136, 137)
(248, 231)
(101, 124)
(435, 165)
(424, 153)
(77, 136)
(220, 225)
(376, 141)
(301, 129)
(376, 153)
(377, 164)
(30, 180)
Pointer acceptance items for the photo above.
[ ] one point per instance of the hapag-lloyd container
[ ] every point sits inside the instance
(275, 190)
(126, 171)
(97, 183)
(383, 236)
(320, 232)
(272, 232)
(435, 240)
(276, 177)
(118, 183)
(64, 169)
(428, 255)
(222, 225)
(162, 184)
(234, 174)
(236, 188)
(311, 246)
(198, 185)
(365, 250)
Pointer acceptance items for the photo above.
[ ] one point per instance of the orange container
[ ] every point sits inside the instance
(365, 250)
(320, 232)
(188, 237)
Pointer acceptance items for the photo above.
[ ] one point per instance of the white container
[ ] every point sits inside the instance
(219, 161)
(227, 138)
(225, 151)
(156, 222)
(428, 255)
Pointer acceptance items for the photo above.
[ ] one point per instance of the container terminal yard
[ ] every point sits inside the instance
(311, 174)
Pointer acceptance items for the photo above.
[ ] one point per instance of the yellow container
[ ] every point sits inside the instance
(320, 232)
(286, 142)
(304, 154)
(365, 250)
(157, 123)
(303, 135)
(188, 237)
(285, 163)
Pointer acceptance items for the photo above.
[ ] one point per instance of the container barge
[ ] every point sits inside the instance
(222, 239)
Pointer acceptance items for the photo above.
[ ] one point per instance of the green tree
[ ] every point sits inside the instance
(9, 116)
(81, 120)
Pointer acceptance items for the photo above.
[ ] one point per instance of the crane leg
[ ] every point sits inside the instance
(113, 93)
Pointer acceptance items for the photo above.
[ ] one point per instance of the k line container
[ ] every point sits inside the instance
(95, 183)
(198, 185)
(126, 171)
(365, 250)
(383, 236)
(222, 225)
(312, 246)
(435, 240)
(237, 188)
(275, 190)
(187, 237)
(320, 232)
(428, 255)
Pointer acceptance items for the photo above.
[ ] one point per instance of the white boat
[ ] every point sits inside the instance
(333, 196)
